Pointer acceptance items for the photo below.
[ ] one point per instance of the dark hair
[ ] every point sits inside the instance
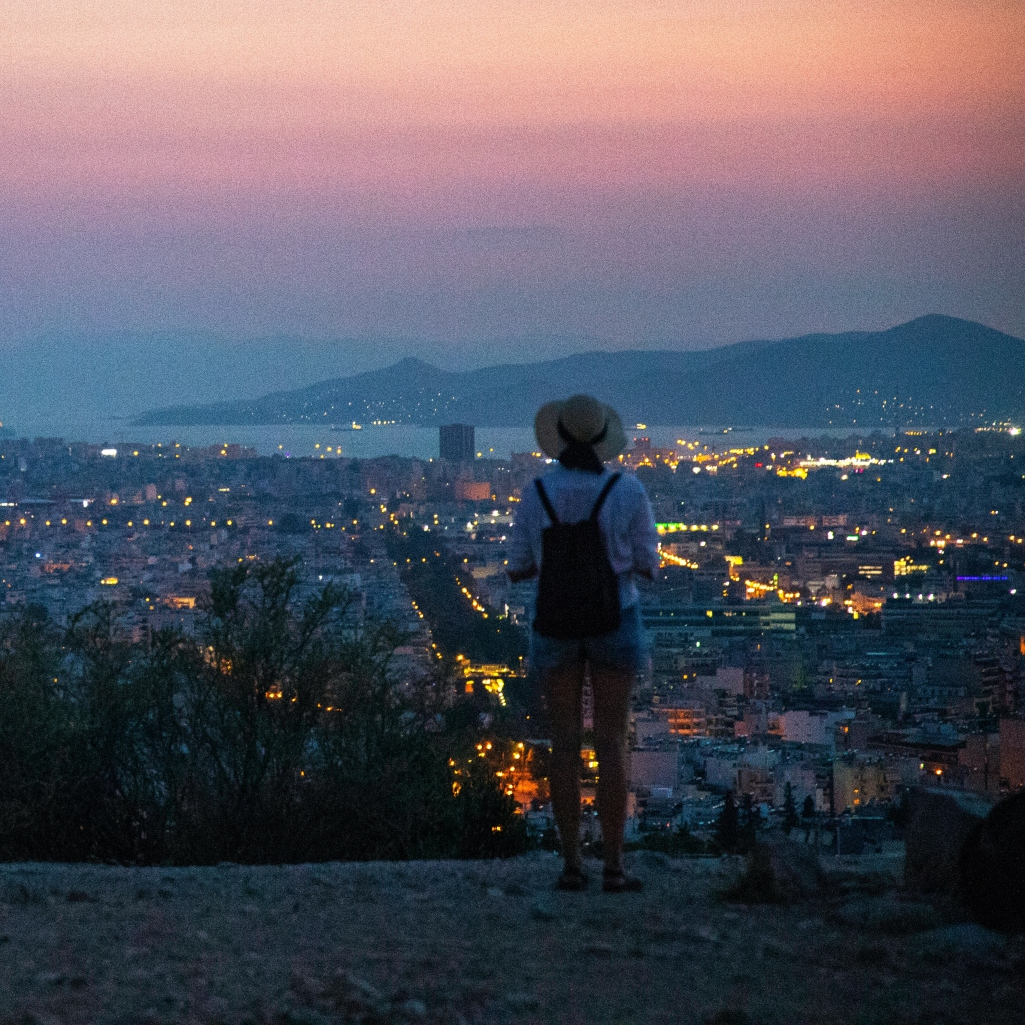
(580, 455)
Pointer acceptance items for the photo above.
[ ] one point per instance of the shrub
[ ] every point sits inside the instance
(278, 734)
(678, 842)
(727, 827)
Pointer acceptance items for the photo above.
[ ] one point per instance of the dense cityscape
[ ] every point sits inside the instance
(836, 620)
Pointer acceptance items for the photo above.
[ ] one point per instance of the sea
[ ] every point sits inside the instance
(370, 441)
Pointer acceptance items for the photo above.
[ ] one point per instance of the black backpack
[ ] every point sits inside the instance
(578, 593)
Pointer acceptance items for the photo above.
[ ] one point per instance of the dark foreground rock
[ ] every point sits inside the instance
(939, 823)
(778, 873)
(476, 942)
(993, 868)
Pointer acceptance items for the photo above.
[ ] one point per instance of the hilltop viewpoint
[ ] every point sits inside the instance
(468, 942)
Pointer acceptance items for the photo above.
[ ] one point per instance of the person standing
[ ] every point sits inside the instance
(586, 532)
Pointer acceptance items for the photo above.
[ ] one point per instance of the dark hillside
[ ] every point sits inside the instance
(932, 371)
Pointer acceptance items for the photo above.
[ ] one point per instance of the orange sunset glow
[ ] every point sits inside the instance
(637, 144)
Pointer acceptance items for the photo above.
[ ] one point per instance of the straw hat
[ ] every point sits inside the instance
(583, 418)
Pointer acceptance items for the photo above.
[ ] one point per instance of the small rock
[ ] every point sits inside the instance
(544, 910)
(966, 940)
(300, 1016)
(655, 860)
(777, 873)
(796, 870)
(522, 1001)
(888, 914)
(22, 894)
(355, 995)
(364, 988)
(38, 1018)
(413, 1008)
(873, 955)
(992, 868)
(940, 823)
(772, 949)
(729, 1016)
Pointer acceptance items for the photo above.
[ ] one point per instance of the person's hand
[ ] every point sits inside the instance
(516, 575)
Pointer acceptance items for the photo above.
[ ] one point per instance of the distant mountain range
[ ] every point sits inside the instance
(931, 371)
(84, 382)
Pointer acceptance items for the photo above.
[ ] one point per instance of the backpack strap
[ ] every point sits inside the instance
(549, 508)
(609, 485)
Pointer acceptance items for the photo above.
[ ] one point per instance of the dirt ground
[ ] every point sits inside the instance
(475, 942)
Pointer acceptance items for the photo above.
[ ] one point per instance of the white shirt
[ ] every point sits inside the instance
(625, 521)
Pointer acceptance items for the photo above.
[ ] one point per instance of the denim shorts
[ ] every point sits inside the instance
(624, 648)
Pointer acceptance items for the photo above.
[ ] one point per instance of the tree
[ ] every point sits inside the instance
(808, 816)
(790, 817)
(676, 842)
(727, 826)
(750, 823)
(279, 734)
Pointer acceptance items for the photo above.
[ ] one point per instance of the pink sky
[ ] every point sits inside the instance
(632, 172)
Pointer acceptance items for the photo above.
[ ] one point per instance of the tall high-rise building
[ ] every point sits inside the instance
(455, 442)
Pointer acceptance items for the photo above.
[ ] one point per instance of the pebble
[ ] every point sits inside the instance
(544, 910)
(965, 938)
(413, 1009)
(522, 1001)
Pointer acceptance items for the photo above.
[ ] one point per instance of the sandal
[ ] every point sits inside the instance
(620, 882)
(572, 879)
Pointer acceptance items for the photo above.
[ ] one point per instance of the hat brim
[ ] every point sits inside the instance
(546, 428)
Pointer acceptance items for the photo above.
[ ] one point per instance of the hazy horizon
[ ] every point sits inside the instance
(109, 378)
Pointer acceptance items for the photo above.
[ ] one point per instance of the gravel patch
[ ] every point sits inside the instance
(476, 942)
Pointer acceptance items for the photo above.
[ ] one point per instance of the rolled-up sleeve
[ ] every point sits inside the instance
(522, 559)
(644, 538)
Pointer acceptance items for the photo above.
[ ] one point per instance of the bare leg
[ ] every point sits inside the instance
(563, 688)
(612, 689)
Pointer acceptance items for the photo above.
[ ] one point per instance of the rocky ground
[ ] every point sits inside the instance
(488, 942)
